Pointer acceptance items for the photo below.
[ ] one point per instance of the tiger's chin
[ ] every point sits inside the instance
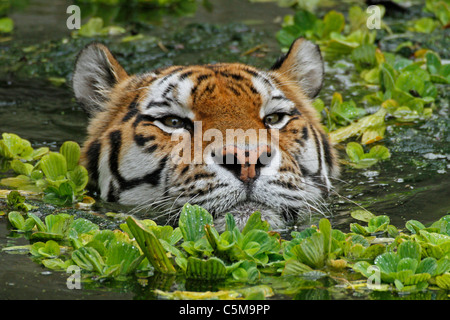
(242, 212)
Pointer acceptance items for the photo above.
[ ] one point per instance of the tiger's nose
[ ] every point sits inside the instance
(245, 164)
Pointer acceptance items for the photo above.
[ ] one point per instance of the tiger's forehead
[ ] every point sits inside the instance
(193, 91)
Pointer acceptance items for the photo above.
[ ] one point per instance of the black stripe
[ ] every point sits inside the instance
(141, 140)
(167, 91)
(251, 72)
(200, 79)
(186, 74)
(116, 143)
(300, 142)
(152, 148)
(157, 104)
(112, 193)
(154, 177)
(132, 111)
(142, 117)
(327, 150)
(237, 77)
(204, 175)
(253, 89)
(185, 169)
(319, 153)
(305, 133)
(93, 155)
(234, 90)
(115, 140)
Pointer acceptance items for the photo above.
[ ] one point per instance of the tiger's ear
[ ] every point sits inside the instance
(303, 64)
(96, 73)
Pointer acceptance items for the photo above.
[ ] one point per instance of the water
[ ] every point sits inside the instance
(413, 184)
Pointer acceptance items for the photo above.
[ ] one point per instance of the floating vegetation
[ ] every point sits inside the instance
(407, 260)
(58, 175)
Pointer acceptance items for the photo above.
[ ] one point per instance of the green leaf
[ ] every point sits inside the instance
(21, 168)
(354, 151)
(38, 153)
(89, 259)
(14, 147)
(79, 176)
(414, 226)
(333, 22)
(211, 269)
(305, 21)
(387, 262)
(362, 215)
(387, 78)
(58, 224)
(408, 81)
(17, 221)
(54, 166)
(81, 226)
(433, 62)
(230, 223)
(255, 222)
(294, 267)
(21, 182)
(426, 25)
(39, 224)
(364, 56)
(6, 25)
(379, 223)
(150, 246)
(443, 281)
(407, 264)
(311, 251)
(91, 28)
(71, 151)
(50, 249)
(325, 229)
(409, 249)
(124, 254)
(40, 235)
(428, 265)
(358, 229)
(192, 222)
(288, 35)
(379, 152)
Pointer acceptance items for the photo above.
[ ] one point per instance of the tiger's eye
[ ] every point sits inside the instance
(272, 119)
(173, 122)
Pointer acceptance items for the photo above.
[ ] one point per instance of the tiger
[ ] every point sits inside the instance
(129, 149)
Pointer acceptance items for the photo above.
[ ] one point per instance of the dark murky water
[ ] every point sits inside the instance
(413, 184)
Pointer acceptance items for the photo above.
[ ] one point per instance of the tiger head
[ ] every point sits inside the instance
(228, 137)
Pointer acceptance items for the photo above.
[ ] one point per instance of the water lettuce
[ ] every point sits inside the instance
(58, 175)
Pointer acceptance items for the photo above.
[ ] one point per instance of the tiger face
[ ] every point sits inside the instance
(228, 137)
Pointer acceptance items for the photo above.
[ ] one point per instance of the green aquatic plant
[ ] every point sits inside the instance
(16, 201)
(13, 147)
(418, 260)
(195, 250)
(359, 159)
(19, 222)
(58, 175)
(95, 27)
